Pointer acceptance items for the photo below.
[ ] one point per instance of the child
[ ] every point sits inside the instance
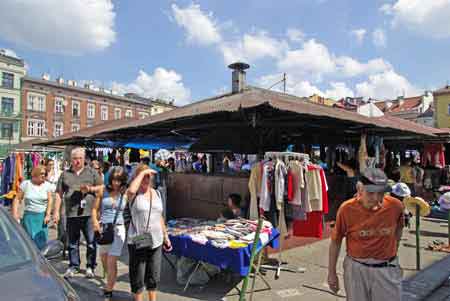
(233, 209)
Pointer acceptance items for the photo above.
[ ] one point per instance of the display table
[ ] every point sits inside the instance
(235, 260)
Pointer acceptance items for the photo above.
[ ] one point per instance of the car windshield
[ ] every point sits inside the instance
(14, 251)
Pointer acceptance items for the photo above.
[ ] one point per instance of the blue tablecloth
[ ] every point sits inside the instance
(236, 260)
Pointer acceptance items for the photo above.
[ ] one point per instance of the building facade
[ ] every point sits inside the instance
(12, 70)
(442, 107)
(53, 108)
(409, 108)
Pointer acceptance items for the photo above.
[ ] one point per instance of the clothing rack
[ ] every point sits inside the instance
(287, 155)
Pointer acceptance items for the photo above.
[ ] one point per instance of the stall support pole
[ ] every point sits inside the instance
(417, 237)
(252, 259)
(448, 227)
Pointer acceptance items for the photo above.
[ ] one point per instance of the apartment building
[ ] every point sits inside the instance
(12, 69)
(52, 108)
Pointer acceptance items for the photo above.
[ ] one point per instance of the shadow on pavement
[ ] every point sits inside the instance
(431, 234)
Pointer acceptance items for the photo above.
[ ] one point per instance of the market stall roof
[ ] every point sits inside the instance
(266, 111)
(30, 146)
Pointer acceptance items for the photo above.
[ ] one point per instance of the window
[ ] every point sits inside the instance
(75, 108)
(91, 110)
(7, 106)
(36, 102)
(143, 115)
(104, 113)
(117, 113)
(129, 114)
(75, 128)
(35, 128)
(7, 130)
(59, 129)
(8, 80)
(59, 105)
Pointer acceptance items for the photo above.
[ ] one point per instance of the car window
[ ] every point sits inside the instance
(13, 249)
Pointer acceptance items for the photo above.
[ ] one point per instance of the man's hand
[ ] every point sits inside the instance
(333, 282)
(85, 188)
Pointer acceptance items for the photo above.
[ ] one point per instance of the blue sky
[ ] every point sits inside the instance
(180, 49)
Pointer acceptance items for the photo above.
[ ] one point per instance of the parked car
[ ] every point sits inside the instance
(25, 273)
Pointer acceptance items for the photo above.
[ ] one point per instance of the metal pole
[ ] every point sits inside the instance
(252, 258)
(417, 237)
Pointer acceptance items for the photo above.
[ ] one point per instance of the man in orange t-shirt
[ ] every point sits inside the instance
(372, 224)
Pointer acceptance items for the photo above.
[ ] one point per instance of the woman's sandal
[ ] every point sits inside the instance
(107, 294)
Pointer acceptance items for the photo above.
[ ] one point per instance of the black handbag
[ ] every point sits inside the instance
(106, 234)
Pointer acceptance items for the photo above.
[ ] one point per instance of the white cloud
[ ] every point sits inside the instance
(201, 28)
(295, 35)
(349, 67)
(313, 58)
(379, 38)
(68, 27)
(163, 84)
(359, 34)
(294, 86)
(339, 90)
(252, 47)
(429, 18)
(386, 85)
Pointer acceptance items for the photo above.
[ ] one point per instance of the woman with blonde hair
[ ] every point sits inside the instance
(37, 196)
(147, 234)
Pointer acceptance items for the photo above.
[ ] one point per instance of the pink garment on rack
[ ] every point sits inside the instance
(324, 192)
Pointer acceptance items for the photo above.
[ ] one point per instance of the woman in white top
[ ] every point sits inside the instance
(37, 195)
(147, 234)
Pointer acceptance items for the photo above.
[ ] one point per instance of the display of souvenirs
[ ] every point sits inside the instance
(234, 233)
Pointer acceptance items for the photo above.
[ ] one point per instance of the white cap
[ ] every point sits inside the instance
(401, 189)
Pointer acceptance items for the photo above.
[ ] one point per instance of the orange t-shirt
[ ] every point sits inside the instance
(369, 233)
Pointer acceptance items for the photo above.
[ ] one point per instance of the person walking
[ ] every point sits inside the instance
(37, 195)
(372, 224)
(76, 189)
(109, 207)
(147, 234)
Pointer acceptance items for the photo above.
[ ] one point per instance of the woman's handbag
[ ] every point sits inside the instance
(106, 234)
(145, 240)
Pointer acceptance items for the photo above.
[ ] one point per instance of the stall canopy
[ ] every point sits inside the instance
(257, 119)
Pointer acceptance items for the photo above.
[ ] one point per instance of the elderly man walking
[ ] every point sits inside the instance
(372, 224)
(76, 188)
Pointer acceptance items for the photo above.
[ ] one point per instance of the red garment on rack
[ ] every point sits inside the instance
(323, 181)
(290, 186)
(312, 227)
(433, 154)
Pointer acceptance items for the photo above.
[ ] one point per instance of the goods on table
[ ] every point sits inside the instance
(234, 233)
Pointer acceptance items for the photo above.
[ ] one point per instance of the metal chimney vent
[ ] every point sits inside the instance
(238, 76)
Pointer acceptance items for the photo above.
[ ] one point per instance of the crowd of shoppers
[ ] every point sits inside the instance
(108, 208)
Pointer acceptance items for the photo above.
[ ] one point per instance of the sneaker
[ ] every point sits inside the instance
(70, 272)
(90, 273)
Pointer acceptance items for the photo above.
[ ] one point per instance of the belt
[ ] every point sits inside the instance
(386, 264)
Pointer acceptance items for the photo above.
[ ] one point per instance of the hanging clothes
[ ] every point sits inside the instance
(311, 227)
(433, 155)
(280, 183)
(314, 187)
(296, 182)
(265, 195)
(362, 153)
(254, 186)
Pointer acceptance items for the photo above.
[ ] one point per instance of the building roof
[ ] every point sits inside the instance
(276, 109)
(85, 90)
(11, 60)
(154, 100)
(408, 104)
(253, 97)
(444, 90)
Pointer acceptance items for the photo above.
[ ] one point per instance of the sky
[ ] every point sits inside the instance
(180, 50)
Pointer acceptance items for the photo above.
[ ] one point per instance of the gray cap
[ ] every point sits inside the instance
(375, 180)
